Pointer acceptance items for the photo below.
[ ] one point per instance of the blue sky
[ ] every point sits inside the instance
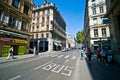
(72, 12)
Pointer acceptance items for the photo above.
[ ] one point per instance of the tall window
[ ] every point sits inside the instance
(94, 11)
(15, 3)
(43, 19)
(12, 20)
(24, 26)
(48, 18)
(1, 15)
(101, 9)
(93, 2)
(37, 20)
(36, 36)
(42, 35)
(43, 12)
(47, 27)
(47, 35)
(94, 21)
(48, 11)
(95, 32)
(104, 32)
(26, 9)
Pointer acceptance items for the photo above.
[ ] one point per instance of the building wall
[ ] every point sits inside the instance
(95, 17)
(50, 23)
(14, 28)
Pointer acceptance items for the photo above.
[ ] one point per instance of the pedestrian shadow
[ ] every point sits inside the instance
(99, 71)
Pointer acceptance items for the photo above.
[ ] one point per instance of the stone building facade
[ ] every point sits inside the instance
(15, 19)
(96, 33)
(48, 28)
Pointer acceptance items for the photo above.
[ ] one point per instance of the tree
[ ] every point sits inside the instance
(80, 36)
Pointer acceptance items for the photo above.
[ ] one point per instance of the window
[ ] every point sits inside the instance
(24, 26)
(104, 32)
(95, 32)
(43, 19)
(101, 9)
(15, 3)
(48, 18)
(47, 27)
(1, 15)
(47, 35)
(94, 21)
(37, 20)
(26, 9)
(38, 13)
(36, 36)
(100, 0)
(48, 11)
(42, 35)
(43, 12)
(12, 20)
(94, 11)
(93, 2)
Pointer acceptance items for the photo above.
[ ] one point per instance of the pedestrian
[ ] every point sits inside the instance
(82, 54)
(98, 54)
(11, 53)
(89, 54)
(104, 53)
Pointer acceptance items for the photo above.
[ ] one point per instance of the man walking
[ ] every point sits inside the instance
(10, 53)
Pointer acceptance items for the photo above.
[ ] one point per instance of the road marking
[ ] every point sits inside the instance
(42, 65)
(67, 69)
(67, 56)
(74, 57)
(60, 56)
(66, 61)
(50, 66)
(16, 77)
(54, 55)
(55, 69)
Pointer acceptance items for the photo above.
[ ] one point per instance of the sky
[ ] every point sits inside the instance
(72, 12)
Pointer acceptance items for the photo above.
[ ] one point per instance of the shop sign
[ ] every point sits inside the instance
(19, 41)
(5, 39)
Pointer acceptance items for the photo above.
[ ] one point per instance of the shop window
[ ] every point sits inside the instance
(26, 9)
(15, 3)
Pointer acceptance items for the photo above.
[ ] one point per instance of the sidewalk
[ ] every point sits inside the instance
(98, 71)
(20, 57)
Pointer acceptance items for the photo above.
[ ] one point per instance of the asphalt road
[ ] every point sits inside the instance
(58, 66)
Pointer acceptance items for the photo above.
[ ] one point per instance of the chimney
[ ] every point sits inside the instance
(45, 1)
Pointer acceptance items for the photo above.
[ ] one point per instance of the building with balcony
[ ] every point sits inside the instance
(96, 33)
(15, 19)
(48, 28)
(113, 13)
(71, 41)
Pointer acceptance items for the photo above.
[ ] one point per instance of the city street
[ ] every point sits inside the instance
(60, 66)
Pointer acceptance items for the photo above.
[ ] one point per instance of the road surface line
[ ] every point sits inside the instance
(42, 65)
(16, 77)
(66, 61)
(74, 57)
(67, 56)
(60, 56)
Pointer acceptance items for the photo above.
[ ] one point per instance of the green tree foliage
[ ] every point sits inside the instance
(80, 36)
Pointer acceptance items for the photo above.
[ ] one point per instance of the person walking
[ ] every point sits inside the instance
(82, 54)
(11, 53)
(98, 54)
(104, 53)
(89, 54)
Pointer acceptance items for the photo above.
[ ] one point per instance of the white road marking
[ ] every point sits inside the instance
(42, 65)
(66, 61)
(55, 69)
(54, 55)
(74, 57)
(67, 56)
(50, 66)
(60, 56)
(69, 71)
(16, 77)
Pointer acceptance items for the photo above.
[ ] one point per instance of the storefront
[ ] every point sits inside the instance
(19, 46)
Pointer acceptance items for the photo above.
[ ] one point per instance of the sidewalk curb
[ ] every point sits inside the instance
(12, 60)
